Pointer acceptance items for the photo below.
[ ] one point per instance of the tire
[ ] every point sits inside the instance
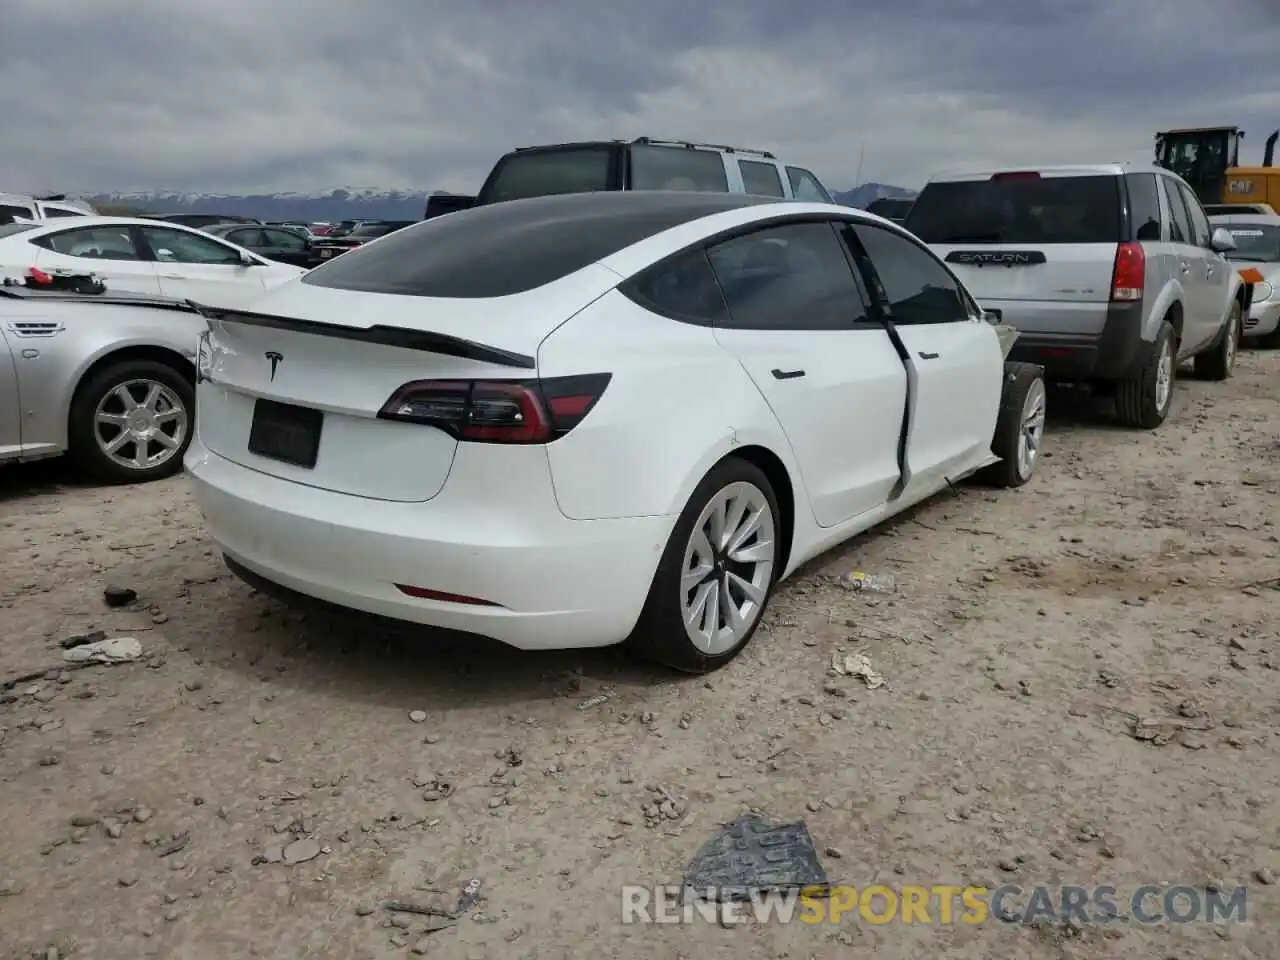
(1019, 427)
(1138, 399)
(1218, 362)
(660, 634)
(102, 393)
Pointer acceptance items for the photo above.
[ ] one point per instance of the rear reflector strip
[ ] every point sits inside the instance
(422, 593)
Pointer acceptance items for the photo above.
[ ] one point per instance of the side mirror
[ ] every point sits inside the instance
(992, 315)
(1222, 240)
(247, 261)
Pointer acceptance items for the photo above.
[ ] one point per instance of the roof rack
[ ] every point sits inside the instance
(660, 142)
(690, 145)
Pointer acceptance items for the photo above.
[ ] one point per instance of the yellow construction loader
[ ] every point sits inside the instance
(1208, 158)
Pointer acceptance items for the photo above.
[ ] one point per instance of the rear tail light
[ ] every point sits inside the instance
(498, 411)
(1016, 175)
(39, 278)
(1128, 278)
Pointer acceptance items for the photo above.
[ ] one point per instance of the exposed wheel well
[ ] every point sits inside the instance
(1174, 316)
(773, 468)
(170, 358)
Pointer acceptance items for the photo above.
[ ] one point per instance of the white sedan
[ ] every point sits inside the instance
(143, 256)
(576, 420)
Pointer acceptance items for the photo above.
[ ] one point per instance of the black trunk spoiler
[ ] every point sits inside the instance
(424, 340)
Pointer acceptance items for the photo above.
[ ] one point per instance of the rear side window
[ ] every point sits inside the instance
(95, 243)
(683, 288)
(1179, 222)
(1199, 222)
(1018, 210)
(677, 168)
(760, 178)
(1144, 206)
(62, 212)
(544, 173)
(907, 278)
(9, 229)
(791, 277)
(805, 186)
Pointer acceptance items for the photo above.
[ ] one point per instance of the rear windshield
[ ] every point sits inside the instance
(1255, 242)
(507, 248)
(1024, 211)
(542, 173)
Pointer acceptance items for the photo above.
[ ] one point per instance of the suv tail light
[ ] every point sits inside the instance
(1128, 278)
(498, 411)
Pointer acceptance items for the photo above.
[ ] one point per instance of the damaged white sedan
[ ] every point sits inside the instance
(577, 420)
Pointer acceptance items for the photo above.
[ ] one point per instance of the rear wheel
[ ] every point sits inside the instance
(1144, 400)
(716, 574)
(1019, 427)
(131, 422)
(1219, 361)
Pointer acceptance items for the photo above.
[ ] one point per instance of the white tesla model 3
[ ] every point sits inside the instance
(576, 420)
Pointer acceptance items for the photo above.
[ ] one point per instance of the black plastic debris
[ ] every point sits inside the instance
(752, 855)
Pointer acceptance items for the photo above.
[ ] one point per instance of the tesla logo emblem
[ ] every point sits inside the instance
(275, 359)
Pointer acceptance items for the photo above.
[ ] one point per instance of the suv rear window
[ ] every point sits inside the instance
(677, 168)
(544, 173)
(1019, 210)
(500, 249)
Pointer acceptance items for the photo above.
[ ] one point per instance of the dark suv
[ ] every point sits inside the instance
(641, 164)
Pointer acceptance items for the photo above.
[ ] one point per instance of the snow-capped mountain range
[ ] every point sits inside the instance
(348, 202)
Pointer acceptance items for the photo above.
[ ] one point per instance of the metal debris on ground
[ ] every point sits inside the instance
(595, 701)
(114, 650)
(870, 582)
(752, 855)
(1161, 730)
(83, 639)
(857, 665)
(441, 918)
(178, 843)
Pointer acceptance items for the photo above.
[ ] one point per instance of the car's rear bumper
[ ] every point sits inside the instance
(1114, 353)
(549, 582)
(1263, 319)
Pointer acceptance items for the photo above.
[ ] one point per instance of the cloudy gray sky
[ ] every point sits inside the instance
(249, 95)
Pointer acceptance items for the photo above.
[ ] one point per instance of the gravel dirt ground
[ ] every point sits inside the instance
(145, 806)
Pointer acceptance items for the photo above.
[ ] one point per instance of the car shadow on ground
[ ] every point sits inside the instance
(309, 646)
(40, 478)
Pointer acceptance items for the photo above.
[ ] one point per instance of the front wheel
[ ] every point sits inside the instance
(716, 574)
(1218, 362)
(132, 422)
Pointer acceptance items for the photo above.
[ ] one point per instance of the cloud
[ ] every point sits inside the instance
(242, 95)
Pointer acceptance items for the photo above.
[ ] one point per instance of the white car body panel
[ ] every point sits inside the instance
(223, 284)
(559, 541)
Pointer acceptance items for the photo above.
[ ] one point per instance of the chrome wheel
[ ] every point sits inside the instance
(1032, 428)
(1164, 376)
(140, 424)
(728, 568)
